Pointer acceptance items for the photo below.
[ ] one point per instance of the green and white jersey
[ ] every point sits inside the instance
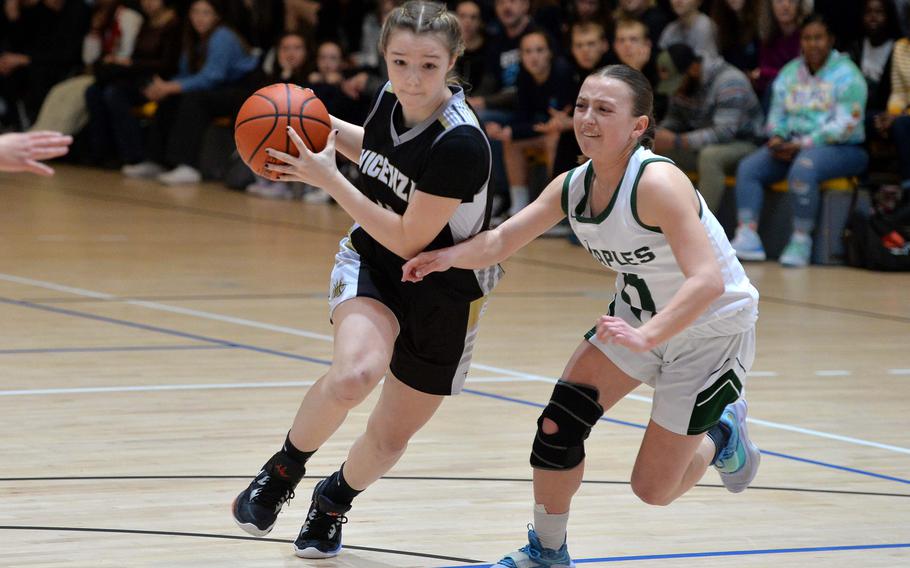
(648, 274)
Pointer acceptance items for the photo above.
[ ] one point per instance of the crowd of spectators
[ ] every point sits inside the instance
(759, 90)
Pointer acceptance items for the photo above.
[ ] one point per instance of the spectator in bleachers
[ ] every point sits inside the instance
(736, 22)
(368, 55)
(633, 47)
(346, 92)
(897, 121)
(903, 15)
(114, 131)
(111, 38)
(259, 22)
(544, 83)
(816, 129)
(778, 30)
(497, 90)
(213, 57)
(713, 117)
(550, 16)
(494, 98)
(590, 51)
(584, 11)
(872, 54)
(470, 66)
(844, 17)
(43, 48)
(691, 27)
(646, 12)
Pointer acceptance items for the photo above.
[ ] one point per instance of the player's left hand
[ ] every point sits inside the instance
(318, 169)
(23, 152)
(615, 330)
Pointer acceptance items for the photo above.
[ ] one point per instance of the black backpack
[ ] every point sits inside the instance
(878, 240)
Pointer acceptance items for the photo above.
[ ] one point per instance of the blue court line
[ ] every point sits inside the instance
(164, 330)
(832, 466)
(106, 349)
(765, 452)
(221, 342)
(720, 553)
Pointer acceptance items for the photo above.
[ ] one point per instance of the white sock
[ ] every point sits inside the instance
(520, 197)
(551, 529)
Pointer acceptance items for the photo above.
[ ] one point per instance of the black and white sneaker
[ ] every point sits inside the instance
(320, 536)
(256, 508)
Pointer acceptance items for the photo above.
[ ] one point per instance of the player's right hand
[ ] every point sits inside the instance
(425, 263)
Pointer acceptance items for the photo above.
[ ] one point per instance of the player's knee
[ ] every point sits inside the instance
(651, 492)
(391, 443)
(350, 385)
(564, 425)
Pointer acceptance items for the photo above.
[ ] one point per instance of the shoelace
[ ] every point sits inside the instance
(321, 521)
(727, 451)
(274, 493)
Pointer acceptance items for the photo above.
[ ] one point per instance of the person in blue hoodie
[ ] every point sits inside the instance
(213, 56)
(816, 128)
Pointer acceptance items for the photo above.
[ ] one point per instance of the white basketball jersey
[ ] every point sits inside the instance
(648, 274)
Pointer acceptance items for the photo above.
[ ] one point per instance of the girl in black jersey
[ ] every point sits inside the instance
(425, 165)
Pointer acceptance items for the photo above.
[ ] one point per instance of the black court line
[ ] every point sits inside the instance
(516, 259)
(326, 362)
(123, 348)
(439, 478)
(275, 296)
(177, 298)
(764, 297)
(226, 537)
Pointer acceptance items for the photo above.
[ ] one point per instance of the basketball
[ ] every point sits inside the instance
(263, 120)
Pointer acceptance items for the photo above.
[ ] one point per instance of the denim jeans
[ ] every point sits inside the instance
(808, 169)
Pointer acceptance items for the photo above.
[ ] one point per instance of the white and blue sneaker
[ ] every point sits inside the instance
(747, 244)
(738, 461)
(534, 555)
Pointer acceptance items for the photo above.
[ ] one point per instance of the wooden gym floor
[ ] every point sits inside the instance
(156, 343)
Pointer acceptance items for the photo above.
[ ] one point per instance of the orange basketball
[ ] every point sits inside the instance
(263, 120)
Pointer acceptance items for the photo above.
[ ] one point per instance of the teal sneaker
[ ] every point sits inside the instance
(739, 460)
(798, 252)
(534, 555)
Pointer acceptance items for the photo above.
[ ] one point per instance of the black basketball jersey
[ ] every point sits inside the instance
(446, 155)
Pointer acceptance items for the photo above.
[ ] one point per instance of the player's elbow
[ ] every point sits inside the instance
(713, 284)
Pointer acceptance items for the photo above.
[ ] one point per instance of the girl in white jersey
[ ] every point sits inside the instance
(682, 318)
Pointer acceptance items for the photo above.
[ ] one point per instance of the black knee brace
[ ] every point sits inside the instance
(575, 410)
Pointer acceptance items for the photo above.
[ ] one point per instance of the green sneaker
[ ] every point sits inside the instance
(798, 252)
